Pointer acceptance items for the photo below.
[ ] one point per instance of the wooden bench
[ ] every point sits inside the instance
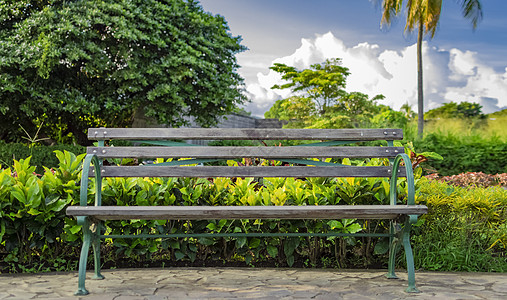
(329, 145)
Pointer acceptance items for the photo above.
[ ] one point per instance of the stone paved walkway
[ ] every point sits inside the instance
(249, 283)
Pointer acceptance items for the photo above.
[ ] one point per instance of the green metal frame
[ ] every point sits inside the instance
(401, 235)
(243, 234)
(398, 235)
(91, 230)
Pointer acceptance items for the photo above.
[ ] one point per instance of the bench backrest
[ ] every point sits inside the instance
(162, 145)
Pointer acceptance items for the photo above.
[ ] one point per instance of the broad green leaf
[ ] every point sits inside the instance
(353, 228)
(381, 247)
(19, 195)
(75, 229)
(179, 255)
(52, 199)
(272, 251)
(240, 242)
(254, 243)
(33, 212)
(290, 260)
(206, 241)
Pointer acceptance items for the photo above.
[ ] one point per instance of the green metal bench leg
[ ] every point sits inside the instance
(96, 254)
(81, 290)
(393, 249)
(410, 260)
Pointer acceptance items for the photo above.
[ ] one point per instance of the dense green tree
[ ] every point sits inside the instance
(425, 15)
(387, 117)
(456, 110)
(319, 98)
(323, 83)
(299, 110)
(75, 64)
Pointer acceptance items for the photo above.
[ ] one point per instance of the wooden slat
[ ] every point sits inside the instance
(245, 152)
(246, 212)
(251, 171)
(243, 134)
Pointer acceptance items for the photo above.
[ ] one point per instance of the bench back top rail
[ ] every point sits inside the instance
(243, 134)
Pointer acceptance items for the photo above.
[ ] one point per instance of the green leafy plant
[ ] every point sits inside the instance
(464, 229)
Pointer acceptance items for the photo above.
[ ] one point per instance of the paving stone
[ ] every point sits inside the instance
(451, 295)
(355, 296)
(173, 294)
(489, 295)
(304, 294)
(156, 297)
(247, 283)
(55, 297)
(470, 287)
(121, 297)
(476, 281)
(500, 287)
(4, 295)
(329, 296)
(20, 294)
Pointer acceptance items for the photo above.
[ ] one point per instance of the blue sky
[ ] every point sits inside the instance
(460, 64)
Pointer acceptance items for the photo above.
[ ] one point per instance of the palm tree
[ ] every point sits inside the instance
(406, 109)
(425, 14)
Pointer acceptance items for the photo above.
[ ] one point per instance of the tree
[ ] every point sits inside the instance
(406, 109)
(75, 64)
(425, 15)
(298, 110)
(319, 98)
(324, 83)
(389, 118)
(456, 110)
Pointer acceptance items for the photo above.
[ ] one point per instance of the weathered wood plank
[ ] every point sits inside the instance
(247, 212)
(243, 134)
(251, 171)
(245, 152)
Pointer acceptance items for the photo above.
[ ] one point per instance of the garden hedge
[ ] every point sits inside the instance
(464, 154)
(464, 229)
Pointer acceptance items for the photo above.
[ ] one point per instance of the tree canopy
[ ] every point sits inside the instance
(75, 64)
(319, 98)
(323, 83)
(456, 110)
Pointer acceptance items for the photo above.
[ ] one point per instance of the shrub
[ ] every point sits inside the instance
(464, 153)
(36, 226)
(464, 230)
(41, 155)
(32, 216)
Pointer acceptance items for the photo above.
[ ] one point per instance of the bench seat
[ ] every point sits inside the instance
(247, 212)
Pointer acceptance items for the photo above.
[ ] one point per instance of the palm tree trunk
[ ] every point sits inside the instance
(420, 98)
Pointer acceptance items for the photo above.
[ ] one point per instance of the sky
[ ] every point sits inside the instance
(460, 64)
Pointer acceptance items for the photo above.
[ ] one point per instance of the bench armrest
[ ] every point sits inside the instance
(83, 200)
(393, 194)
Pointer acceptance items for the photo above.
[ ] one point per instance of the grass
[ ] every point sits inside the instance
(490, 128)
(465, 229)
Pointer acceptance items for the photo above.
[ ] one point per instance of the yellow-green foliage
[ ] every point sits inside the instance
(485, 128)
(488, 204)
(464, 227)
(464, 230)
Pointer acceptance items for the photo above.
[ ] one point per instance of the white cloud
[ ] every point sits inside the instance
(449, 75)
